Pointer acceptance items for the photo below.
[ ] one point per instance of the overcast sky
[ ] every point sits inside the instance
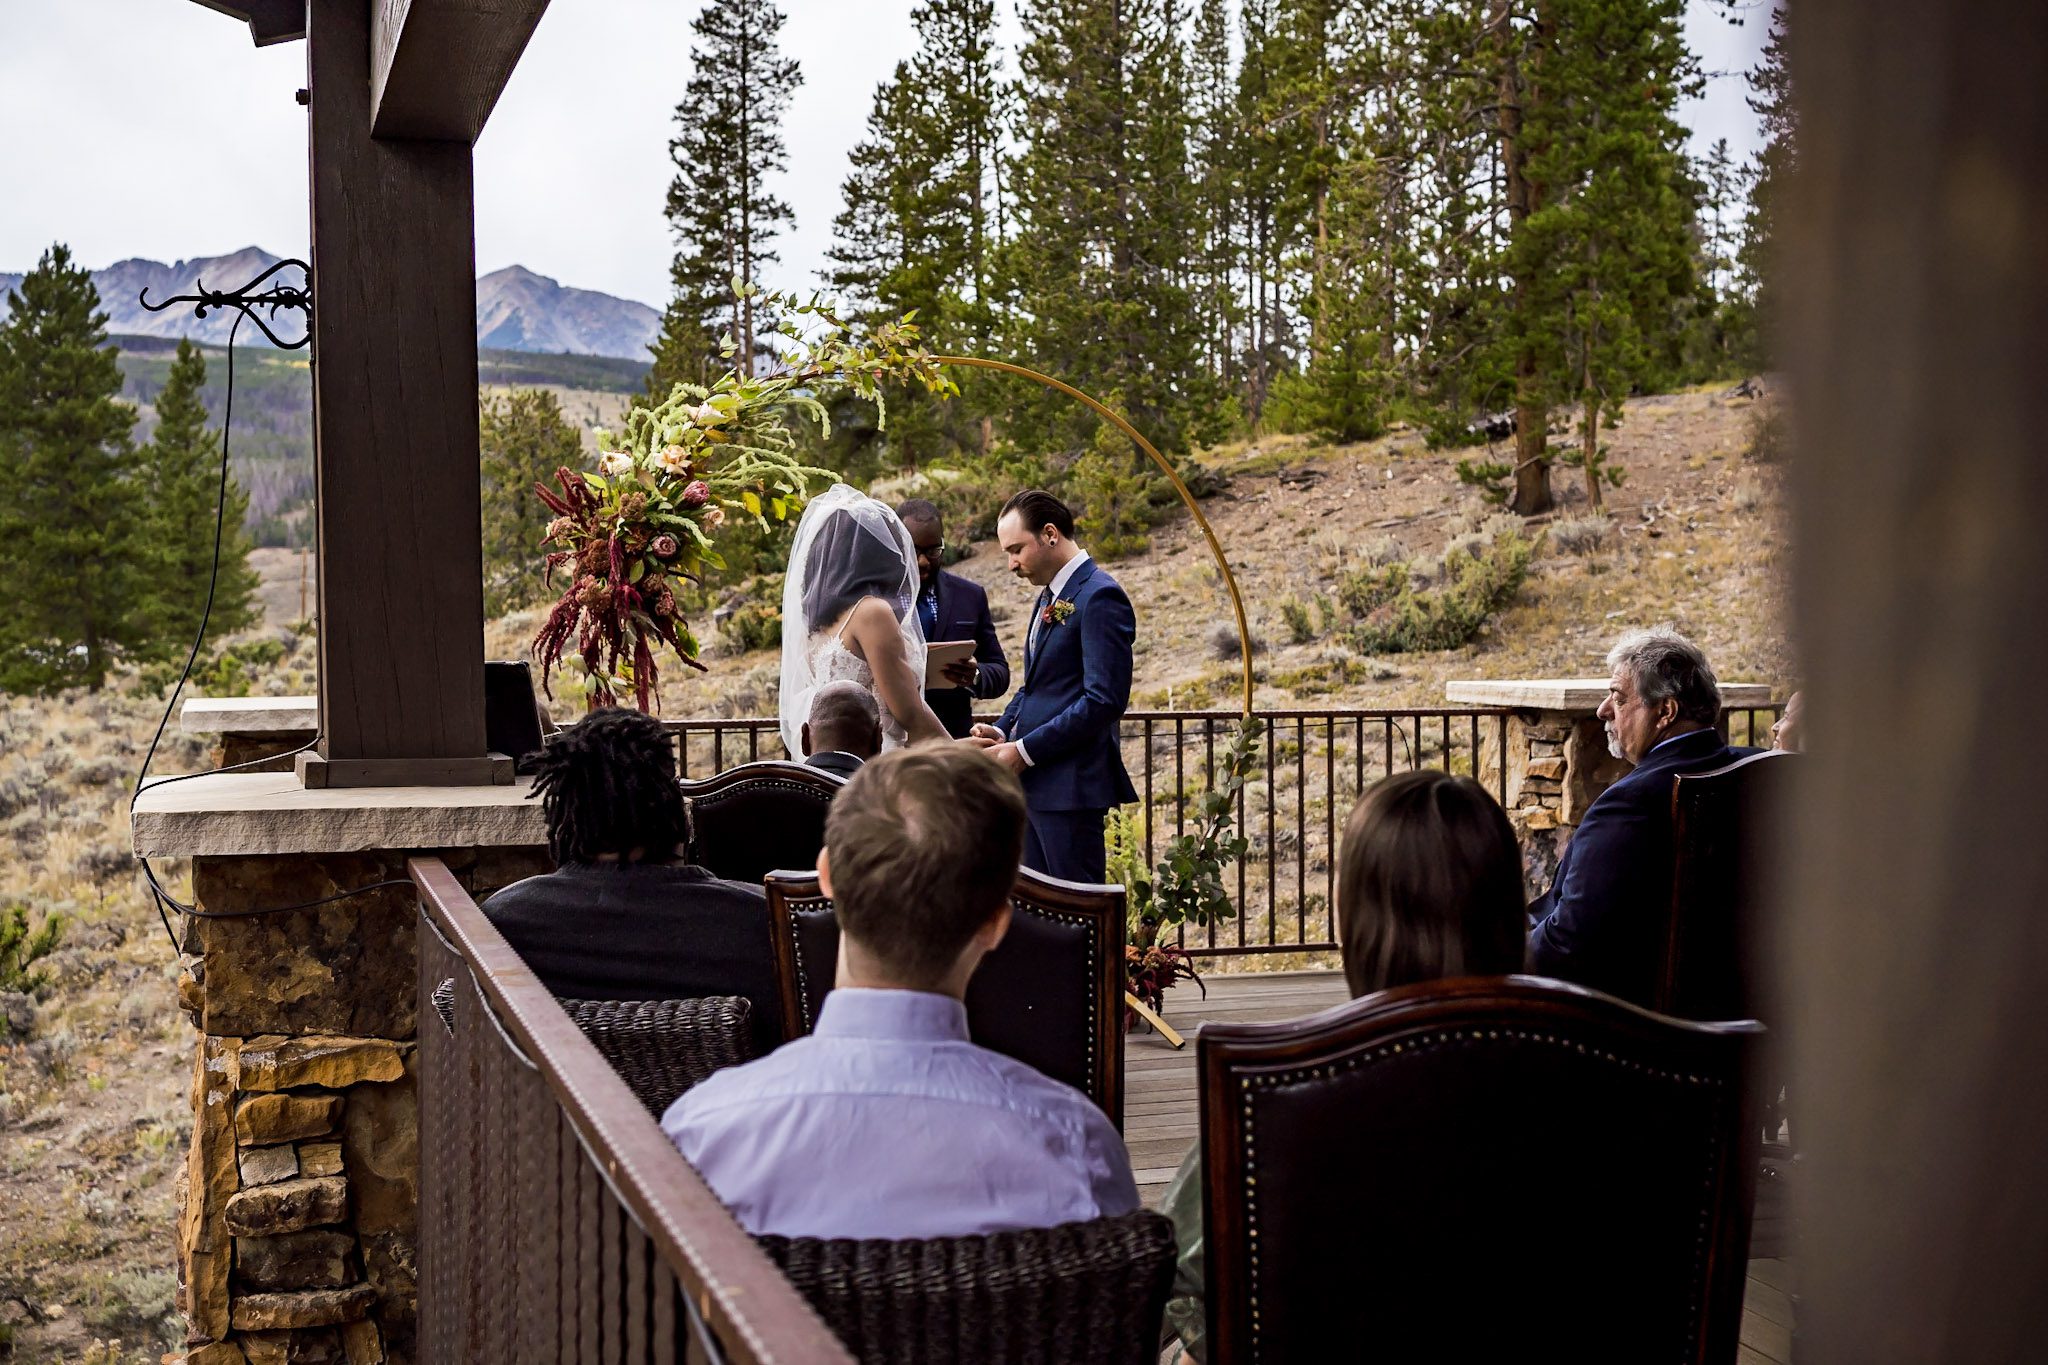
(154, 128)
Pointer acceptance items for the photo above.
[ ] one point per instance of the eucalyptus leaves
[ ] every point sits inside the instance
(647, 519)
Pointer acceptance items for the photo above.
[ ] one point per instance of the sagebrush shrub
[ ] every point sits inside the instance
(1580, 535)
(1397, 617)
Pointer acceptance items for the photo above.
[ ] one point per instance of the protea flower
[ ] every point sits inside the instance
(696, 493)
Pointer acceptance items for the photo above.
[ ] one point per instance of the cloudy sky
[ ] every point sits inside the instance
(153, 128)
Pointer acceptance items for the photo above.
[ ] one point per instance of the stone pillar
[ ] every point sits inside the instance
(296, 1231)
(1557, 757)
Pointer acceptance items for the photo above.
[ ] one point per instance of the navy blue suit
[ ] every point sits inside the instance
(963, 615)
(1077, 686)
(1601, 922)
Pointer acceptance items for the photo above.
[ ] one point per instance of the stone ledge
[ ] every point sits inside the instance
(1572, 694)
(250, 716)
(235, 814)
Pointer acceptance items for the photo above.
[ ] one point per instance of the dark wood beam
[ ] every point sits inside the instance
(437, 67)
(1916, 911)
(270, 21)
(395, 435)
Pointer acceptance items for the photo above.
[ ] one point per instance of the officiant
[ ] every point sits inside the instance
(952, 608)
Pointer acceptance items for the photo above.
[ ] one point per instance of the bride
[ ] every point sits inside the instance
(847, 612)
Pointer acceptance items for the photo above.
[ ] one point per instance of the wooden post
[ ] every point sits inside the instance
(1917, 336)
(400, 581)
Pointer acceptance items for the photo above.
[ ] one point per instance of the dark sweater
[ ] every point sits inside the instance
(640, 931)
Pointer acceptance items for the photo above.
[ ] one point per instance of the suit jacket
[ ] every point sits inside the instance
(1601, 923)
(837, 762)
(1077, 686)
(963, 615)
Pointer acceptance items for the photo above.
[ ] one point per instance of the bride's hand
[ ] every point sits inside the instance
(982, 742)
(987, 732)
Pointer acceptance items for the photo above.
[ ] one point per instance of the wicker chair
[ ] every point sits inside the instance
(661, 1048)
(1050, 995)
(1079, 1294)
(1409, 1176)
(748, 821)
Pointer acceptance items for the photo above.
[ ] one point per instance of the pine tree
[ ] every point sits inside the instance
(1106, 224)
(1771, 99)
(1215, 149)
(728, 144)
(187, 501)
(524, 439)
(74, 571)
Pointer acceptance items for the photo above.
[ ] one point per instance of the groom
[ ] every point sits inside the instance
(1059, 732)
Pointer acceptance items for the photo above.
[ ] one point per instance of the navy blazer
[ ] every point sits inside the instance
(1601, 923)
(963, 615)
(1077, 686)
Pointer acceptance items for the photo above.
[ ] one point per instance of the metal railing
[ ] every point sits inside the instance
(1312, 768)
(556, 1221)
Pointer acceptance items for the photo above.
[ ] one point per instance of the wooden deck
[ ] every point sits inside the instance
(1160, 1121)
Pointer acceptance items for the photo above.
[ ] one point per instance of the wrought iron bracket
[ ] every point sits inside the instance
(248, 299)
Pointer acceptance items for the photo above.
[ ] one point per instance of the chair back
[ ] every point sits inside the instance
(1050, 995)
(1082, 1293)
(1716, 962)
(1481, 1169)
(661, 1048)
(747, 821)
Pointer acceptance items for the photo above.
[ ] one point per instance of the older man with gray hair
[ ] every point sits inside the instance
(1599, 924)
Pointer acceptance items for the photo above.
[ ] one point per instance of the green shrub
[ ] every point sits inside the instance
(1301, 622)
(21, 949)
(1114, 500)
(233, 670)
(975, 488)
(1398, 618)
(756, 623)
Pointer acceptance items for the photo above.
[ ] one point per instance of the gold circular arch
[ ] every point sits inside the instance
(1244, 635)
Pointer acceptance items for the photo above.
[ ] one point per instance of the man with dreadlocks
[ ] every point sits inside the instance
(623, 917)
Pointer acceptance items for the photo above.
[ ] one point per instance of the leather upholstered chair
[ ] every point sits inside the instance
(747, 821)
(1050, 995)
(1080, 1294)
(1480, 1169)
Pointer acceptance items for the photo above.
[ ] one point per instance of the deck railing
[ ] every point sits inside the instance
(1312, 768)
(556, 1222)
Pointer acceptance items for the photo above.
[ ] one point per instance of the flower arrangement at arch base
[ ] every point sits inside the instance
(627, 536)
(1186, 886)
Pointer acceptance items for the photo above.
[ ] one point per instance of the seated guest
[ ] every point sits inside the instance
(844, 729)
(1788, 735)
(624, 917)
(1429, 885)
(887, 1122)
(950, 607)
(1599, 924)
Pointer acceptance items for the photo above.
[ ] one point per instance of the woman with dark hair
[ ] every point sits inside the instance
(623, 916)
(1429, 886)
(847, 614)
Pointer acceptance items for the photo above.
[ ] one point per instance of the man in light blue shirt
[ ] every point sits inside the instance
(887, 1121)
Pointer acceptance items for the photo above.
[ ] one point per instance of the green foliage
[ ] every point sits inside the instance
(756, 622)
(1300, 621)
(1490, 477)
(1113, 497)
(181, 468)
(73, 515)
(21, 948)
(1394, 614)
(970, 490)
(232, 671)
(523, 440)
(1186, 886)
(1769, 177)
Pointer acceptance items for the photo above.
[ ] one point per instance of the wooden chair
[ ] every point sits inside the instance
(661, 1048)
(1409, 1177)
(1080, 1294)
(1717, 960)
(747, 821)
(1050, 995)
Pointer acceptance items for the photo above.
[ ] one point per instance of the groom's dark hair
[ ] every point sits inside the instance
(923, 846)
(1036, 508)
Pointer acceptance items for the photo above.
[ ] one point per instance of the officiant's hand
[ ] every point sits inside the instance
(988, 732)
(962, 672)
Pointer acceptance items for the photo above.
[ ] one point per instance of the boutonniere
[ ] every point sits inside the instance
(1056, 611)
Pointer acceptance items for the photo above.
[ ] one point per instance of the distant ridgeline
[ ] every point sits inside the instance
(273, 441)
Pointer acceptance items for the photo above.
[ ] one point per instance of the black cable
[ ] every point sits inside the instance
(164, 901)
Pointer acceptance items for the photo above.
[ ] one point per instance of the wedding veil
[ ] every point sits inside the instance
(848, 546)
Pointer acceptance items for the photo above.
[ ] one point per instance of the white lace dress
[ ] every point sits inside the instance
(832, 661)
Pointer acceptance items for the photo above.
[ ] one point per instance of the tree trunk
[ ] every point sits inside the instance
(1531, 493)
(1589, 442)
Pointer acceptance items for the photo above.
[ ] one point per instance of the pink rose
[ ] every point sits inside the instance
(696, 493)
(666, 546)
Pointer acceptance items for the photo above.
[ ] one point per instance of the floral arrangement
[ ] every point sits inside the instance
(627, 535)
(1056, 613)
(1186, 885)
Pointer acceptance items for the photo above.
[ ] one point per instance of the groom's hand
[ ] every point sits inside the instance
(988, 732)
